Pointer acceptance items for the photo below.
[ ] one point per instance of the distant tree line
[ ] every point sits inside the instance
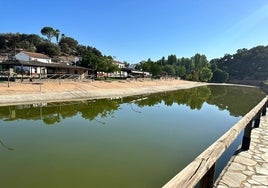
(245, 64)
(196, 68)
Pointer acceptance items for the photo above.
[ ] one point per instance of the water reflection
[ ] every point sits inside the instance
(5, 146)
(224, 97)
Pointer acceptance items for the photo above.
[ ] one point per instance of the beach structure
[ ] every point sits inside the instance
(37, 65)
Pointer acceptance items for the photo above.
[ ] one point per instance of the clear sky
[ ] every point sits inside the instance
(135, 30)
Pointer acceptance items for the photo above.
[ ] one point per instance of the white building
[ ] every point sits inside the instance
(119, 73)
(120, 64)
(32, 56)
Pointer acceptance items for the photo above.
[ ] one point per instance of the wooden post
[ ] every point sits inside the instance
(59, 78)
(208, 179)
(263, 113)
(8, 79)
(247, 136)
(257, 120)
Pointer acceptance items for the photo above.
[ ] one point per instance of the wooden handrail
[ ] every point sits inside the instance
(203, 167)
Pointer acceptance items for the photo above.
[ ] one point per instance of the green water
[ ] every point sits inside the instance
(139, 142)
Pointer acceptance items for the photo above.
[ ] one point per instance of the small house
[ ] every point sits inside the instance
(32, 56)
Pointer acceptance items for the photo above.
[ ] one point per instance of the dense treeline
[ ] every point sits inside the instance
(245, 64)
(196, 68)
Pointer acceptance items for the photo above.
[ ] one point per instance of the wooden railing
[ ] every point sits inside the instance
(202, 168)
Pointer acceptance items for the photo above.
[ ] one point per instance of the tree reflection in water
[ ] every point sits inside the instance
(237, 100)
(134, 109)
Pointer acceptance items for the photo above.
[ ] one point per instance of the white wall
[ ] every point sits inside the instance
(24, 57)
(38, 71)
(41, 60)
(21, 56)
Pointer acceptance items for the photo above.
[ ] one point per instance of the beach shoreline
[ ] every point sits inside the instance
(14, 93)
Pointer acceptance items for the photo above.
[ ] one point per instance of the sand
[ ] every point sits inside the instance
(34, 92)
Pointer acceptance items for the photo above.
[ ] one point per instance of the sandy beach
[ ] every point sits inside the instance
(34, 92)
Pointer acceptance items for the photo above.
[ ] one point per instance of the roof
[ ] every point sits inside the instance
(36, 55)
(118, 62)
(40, 64)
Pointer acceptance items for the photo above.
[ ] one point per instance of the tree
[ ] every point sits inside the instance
(200, 62)
(90, 60)
(57, 34)
(81, 50)
(205, 74)
(107, 65)
(163, 61)
(213, 66)
(172, 60)
(146, 65)
(181, 72)
(10, 42)
(156, 69)
(189, 65)
(169, 69)
(126, 64)
(49, 49)
(49, 32)
(34, 40)
(220, 76)
(68, 45)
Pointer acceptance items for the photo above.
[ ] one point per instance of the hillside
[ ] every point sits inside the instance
(65, 50)
(247, 65)
(11, 43)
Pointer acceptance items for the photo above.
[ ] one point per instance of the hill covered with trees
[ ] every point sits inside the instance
(11, 42)
(245, 64)
(90, 57)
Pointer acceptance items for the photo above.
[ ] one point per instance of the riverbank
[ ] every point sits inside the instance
(21, 93)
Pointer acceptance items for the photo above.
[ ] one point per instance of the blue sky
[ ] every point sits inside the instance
(135, 30)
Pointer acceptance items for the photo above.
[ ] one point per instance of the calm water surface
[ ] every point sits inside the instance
(138, 142)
